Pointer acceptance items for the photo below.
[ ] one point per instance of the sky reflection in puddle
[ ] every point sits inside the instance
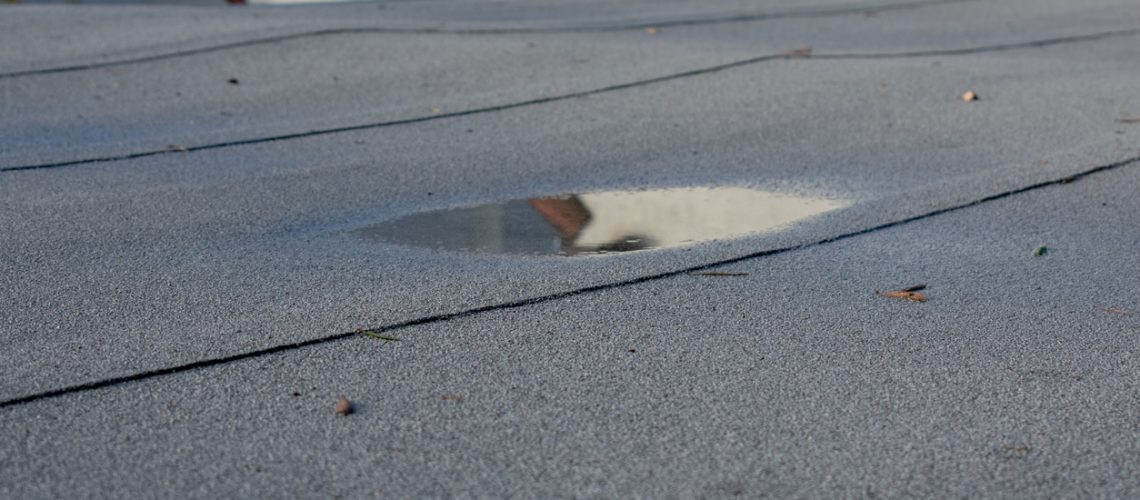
(600, 222)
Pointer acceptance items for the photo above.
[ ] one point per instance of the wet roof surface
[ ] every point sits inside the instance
(598, 223)
(185, 284)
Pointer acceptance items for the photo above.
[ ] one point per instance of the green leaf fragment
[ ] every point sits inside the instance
(1041, 250)
(375, 335)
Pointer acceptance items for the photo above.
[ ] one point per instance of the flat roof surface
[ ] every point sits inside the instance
(186, 291)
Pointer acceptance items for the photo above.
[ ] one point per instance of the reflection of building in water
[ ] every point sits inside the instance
(512, 227)
(601, 222)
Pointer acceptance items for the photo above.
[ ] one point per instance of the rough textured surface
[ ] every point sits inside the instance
(1017, 378)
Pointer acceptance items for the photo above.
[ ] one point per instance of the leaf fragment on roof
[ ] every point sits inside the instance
(373, 334)
(903, 294)
(801, 51)
(343, 406)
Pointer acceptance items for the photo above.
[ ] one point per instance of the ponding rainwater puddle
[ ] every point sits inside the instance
(601, 222)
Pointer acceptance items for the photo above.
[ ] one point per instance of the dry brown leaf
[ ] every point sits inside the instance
(1118, 311)
(652, 31)
(969, 96)
(343, 406)
(903, 294)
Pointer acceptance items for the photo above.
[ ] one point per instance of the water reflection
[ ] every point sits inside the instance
(601, 222)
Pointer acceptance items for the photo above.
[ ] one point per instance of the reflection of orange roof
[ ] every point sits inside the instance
(567, 215)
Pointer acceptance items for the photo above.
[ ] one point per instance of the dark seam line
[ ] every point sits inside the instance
(488, 31)
(312, 133)
(990, 48)
(552, 297)
(586, 93)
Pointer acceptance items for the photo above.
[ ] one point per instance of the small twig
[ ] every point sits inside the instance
(1118, 311)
